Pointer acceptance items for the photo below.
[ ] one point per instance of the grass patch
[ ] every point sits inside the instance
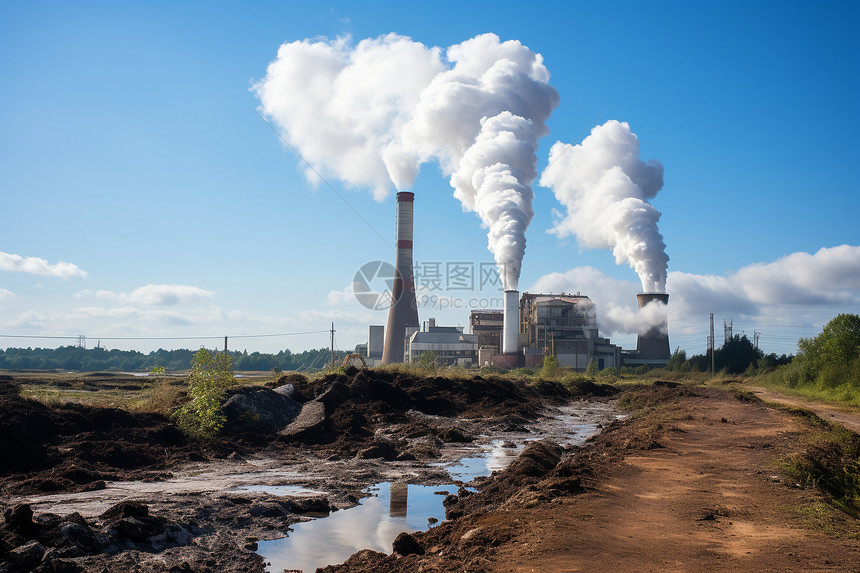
(831, 463)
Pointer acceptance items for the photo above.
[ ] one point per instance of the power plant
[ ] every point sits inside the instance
(525, 330)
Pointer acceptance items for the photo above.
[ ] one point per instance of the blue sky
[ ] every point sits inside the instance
(131, 149)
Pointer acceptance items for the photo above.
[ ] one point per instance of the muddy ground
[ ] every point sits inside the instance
(68, 469)
(689, 482)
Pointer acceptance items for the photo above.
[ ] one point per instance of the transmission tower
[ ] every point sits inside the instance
(727, 330)
(711, 344)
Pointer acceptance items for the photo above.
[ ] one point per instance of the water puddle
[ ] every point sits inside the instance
(373, 524)
(393, 508)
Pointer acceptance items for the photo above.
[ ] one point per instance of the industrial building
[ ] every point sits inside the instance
(450, 345)
(564, 325)
(520, 334)
(372, 349)
(487, 326)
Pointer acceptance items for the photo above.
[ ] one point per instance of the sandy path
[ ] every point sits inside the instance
(711, 500)
(848, 417)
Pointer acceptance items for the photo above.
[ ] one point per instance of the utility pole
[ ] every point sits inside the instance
(225, 346)
(332, 345)
(711, 343)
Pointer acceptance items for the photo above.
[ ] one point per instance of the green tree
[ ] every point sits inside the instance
(427, 360)
(201, 417)
(677, 360)
(592, 368)
(736, 355)
(833, 357)
(550, 366)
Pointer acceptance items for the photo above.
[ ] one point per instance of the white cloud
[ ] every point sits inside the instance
(340, 296)
(153, 294)
(5, 293)
(827, 278)
(37, 266)
(793, 294)
(168, 294)
(336, 315)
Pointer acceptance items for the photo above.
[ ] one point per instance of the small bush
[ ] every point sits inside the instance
(201, 418)
(550, 367)
(831, 464)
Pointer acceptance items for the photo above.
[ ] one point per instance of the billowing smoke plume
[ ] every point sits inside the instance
(374, 113)
(605, 188)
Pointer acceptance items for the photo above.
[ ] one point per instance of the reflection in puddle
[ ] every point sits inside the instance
(373, 524)
(499, 456)
(394, 508)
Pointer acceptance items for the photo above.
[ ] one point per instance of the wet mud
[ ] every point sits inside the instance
(88, 488)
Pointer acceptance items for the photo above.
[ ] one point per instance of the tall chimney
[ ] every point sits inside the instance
(404, 307)
(510, 322)
(653, 344)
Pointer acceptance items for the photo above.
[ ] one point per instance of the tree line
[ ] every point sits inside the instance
(100, 359)
(736, 356)
(828, 363)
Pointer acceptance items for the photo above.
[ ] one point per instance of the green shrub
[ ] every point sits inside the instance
(550, 367)
(201, 418)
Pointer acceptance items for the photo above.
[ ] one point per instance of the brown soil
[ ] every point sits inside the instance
(376, 423)
(689, 483)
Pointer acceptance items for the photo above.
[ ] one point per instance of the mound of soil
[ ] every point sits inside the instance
(73, 447)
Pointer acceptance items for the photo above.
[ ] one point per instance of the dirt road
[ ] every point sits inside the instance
(692, 486)
(712, 499)
(850, 418)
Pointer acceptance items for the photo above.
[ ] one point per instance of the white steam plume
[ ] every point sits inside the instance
(378, 111)
(605, 188)
(339, 104)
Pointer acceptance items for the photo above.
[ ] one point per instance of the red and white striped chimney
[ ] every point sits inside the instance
(404, 307)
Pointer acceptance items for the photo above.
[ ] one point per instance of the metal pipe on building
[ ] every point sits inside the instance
(403, 312)
(510, 321)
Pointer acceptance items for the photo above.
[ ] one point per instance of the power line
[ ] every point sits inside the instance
(78, 337)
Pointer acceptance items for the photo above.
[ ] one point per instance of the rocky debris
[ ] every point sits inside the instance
(536, 460)
(28, 556)
(259, 410)
(30, 543)
(308, 423)
(405, 544)
(364, 560)
(380, 448)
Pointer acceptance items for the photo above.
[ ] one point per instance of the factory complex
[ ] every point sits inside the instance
(528, 328)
